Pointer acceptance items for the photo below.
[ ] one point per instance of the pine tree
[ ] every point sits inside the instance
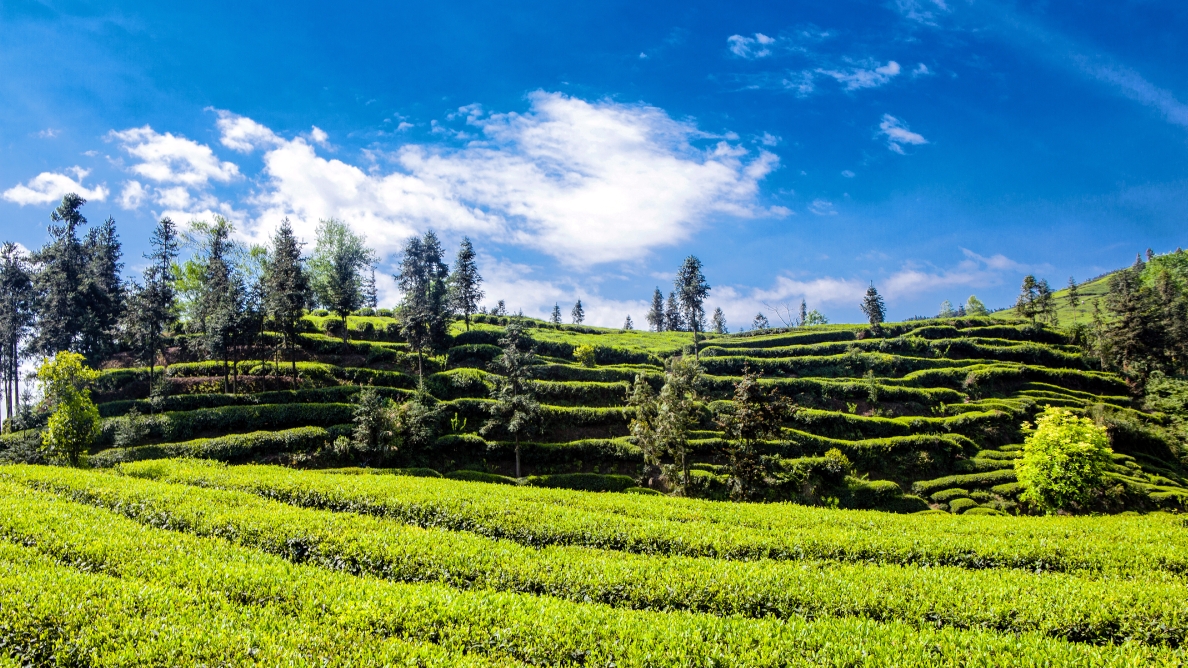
(60, 303)
(286, 288)
(673, 321)
(370, 294)
(656, 319)
(1045, 306)
(464, 282)
(718, 321)
(1134, 335)
(692, 289)
(753, 416)
(627, 324)
(222, 301)
(159, 299)
(874, 308)
(578, 314)
(103, 294)
(336, 269)
(555, 316)
(1074, 296)
(760, 321)
(16, 319)
(515, 411)
(425, 309)
(802, 320)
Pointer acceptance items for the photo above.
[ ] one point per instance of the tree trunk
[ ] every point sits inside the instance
(517, 456)
(344, 333)
(293, 359)
(696, 354)
(420, 369)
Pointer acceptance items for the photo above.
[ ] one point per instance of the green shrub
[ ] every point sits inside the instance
(584, 354)
(869, 494)
(361, 470)
(641, 490)
(947, 495)
(983, 510)
(480, 476)
(232, 448)
(1063, 461)
(1007, 489)
(589, 482)
(988, 479)
(956, 506)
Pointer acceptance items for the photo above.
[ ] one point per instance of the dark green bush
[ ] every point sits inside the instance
(947, 495)
(185, 425)
(985, 480)
(956, 506)
(232, 448)
(589, 482)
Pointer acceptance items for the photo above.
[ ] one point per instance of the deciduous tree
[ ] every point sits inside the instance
(74, 422)
(718, 322)
(754, 415)
(424, 311)
(336, 269)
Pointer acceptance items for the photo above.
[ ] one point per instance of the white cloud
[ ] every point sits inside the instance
(242, 134)
(922, 11)
(973, 271)
(863, 76)
(49, 187)
(584, 182)
(898, 134)
(166, 158)
(758, 46)
(847, 173)
(1132, 85)
(318, 136)
(822, 207)
(48, 133)
(404, 125)
(133, 194)
(921, 70)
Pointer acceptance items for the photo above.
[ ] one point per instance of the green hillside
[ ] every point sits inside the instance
(929, 415)
(1067, 314)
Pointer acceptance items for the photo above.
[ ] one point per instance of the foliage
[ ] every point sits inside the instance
(677, 412)
(287, 287)
(464, 282)
(873, 307)
(16, 319)
(1063, 461)
(656, 320)
(691, 291)
(975, 307)
(755, 414)
(425, 308)
(336, 268)
(577, 314)
(515, 410)
(584, 354)
(74, 423)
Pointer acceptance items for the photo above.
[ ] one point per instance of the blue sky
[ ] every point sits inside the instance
(939, 148)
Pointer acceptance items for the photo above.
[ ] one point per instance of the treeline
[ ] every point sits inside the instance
(226, 301)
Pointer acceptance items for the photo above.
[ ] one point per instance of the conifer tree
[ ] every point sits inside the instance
(1074, 295)
(370, 294)
(336, 269)
(677, 411)
(103, 294)
(425, 309)
(1045, 306)
(465, 293)
(760, 321)
(691, 290)
(673, 321)
(718, 321)
(221, 303)
(60, 303)
(754, 415)
(1135, 337)
(16, 319)
(627, 324)
(286, 288)
(555, 316)
(1025, 305)
(515, 411)
(159, 300)
(656, 319)
(874, 308)
(802, 318)
(644, 427)
(578, 314)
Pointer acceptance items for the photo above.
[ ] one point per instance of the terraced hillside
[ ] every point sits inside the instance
(928, 415)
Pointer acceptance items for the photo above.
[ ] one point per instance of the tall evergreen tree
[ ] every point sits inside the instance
(627, 324)
(465, 293)
(718, 321)
(102, 293)
(673, 320)
(874, 308)
(802, 316)
(1135, 337)
(515, 410)
(644, 429)
(370, 293)
(754, 415)
(160, 297)
(677, 408)
(16, 319)
(1025, 305)
(1045, 303)
(61, 271)
(691, 291)
(555, 316)
(1073, 295)
(656, 319)
(286, 288)
(221, 303)
(946, 310)
(336, 269)
(578, 313)
(425, 310)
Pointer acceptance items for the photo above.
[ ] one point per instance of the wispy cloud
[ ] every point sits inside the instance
(49, 187)
(1132, 85)
(758, 46)
(865, 75)
(898, 134)
(822, 207)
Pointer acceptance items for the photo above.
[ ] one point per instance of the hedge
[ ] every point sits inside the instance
(958, 505)
(480, 476)
(185, 425)
(589, 482)
(979, 480)
(360, 470)
(947, 495)
(232, 448)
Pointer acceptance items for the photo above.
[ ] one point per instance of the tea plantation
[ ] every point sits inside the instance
(235, 528)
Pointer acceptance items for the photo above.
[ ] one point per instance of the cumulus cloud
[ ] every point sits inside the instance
(586, 182)
(758, 46)
(166, 158)
(240, 133)
(864, 75)
(898, 134)
(49, 187)
(133, 195)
